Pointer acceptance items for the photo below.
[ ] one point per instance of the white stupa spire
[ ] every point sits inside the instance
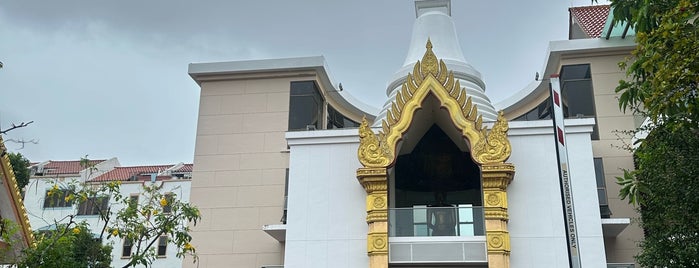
(433, 21)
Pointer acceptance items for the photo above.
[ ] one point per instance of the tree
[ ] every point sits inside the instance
(667, 166)
(142, 222)
(67, 247)
(20, 166)
(663, 85)
(664, 69)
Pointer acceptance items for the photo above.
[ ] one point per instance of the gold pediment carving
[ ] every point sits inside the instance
(431, 76)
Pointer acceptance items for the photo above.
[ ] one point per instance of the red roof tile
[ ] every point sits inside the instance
(591, 19)
(140, 172)
(65, 167)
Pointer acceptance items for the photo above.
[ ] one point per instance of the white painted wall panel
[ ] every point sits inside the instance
(326, 221)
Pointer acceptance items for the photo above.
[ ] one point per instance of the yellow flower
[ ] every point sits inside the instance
(76, 230)
(155, 212)
(69, 197)
(163, 202)
(188, 246)
(115, 232)
(55, 187)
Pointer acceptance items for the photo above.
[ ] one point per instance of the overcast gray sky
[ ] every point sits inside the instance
(109, 78)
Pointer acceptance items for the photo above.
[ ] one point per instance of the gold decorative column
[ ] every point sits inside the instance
(375, 157)
(375, 182)
(496, 177)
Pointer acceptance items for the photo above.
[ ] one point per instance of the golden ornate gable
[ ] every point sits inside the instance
(431, 76)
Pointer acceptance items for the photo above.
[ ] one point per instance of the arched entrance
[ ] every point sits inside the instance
(432, 95)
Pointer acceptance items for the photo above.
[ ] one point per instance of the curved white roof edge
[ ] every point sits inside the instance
(315, 63)
(554, 52)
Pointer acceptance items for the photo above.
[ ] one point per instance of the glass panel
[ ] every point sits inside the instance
(420, 215)
(580, 71)
(305, 106)
(162, 246)
(466, 229)
(465, 213)
(599, 172)
(412, 222)
(602, 195)
(578, 97)
(421, 230)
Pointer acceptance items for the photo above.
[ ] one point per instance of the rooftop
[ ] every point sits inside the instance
(63, 167)
(143, 173)
(591, 19)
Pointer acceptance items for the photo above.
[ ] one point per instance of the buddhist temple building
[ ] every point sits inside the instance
(292, 171)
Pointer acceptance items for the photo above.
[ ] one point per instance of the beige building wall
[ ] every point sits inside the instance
(605, 78)
(240, 165)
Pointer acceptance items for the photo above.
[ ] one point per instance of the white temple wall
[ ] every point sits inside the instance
(536, 216)
(326, 220)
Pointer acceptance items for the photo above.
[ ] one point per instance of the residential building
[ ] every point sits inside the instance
(293, 172)
(45, 212)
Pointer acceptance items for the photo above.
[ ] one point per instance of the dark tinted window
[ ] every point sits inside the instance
(169, 198)
(162, 246)
(577, 93)
(601, 189)
(337, 120)
(126, 248)
(93, 206)
(305, 106)
(57, 199)
(541, 112)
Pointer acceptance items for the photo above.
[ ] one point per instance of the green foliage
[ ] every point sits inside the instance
(10, 234)
(664, 69)
(663, 84)
(156, 214)
(20, 166)
(68, 246)
(666, 183)
(142, 222)
(631, 188)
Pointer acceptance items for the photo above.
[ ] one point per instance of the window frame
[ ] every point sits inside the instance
(133, 201)
(169, 197)
(60, 200)
(601, 182)
(298, 90)
(162, 246)
(93, 206)
(564, 80)
(126, 243)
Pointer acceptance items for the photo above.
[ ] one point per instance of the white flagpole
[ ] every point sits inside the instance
(564, 174)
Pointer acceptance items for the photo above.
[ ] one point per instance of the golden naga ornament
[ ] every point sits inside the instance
(495, 148)
(372, 150)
